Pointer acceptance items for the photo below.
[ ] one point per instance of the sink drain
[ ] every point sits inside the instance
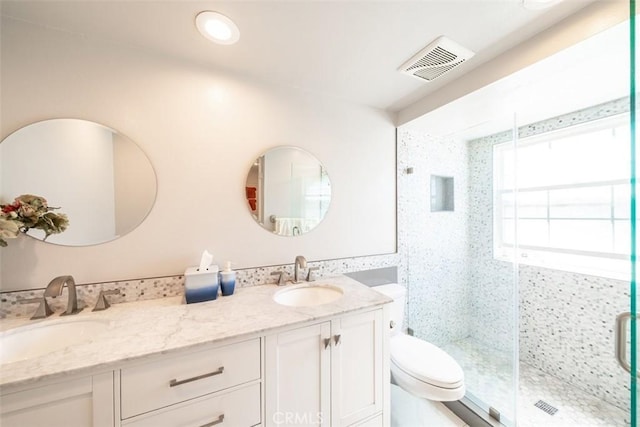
(541, 404)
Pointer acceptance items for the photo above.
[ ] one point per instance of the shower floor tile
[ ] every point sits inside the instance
(575, 407)
(488, 375)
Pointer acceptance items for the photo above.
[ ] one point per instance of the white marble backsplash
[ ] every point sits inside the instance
(162, 287)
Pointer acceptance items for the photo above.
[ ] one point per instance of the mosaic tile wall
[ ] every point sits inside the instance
(142, 289)
(567, 325)
(434, 244)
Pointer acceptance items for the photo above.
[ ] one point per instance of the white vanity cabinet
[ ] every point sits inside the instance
(318, 366)
(78, 402)
(329, 373)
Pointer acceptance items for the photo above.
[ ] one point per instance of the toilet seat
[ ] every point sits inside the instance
(425, 369)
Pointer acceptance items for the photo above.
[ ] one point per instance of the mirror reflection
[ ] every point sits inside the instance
(288, 191)
(98, 177)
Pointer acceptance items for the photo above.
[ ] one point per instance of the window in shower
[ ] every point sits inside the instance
(572, 198)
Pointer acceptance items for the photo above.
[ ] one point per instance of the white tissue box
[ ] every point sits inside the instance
(201, 284)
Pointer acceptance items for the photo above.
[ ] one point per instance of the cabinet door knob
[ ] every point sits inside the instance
(327, 343)
(220, 420)
(336, 338)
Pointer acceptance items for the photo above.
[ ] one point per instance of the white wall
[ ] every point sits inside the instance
(202, 130)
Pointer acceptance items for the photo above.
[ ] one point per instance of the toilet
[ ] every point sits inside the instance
(417, 366)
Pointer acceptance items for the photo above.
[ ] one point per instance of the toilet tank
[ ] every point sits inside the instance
(399, 295)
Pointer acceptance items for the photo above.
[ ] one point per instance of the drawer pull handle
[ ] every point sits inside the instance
(220, 420)
(337, 339)
(175, 382)
(327, 343)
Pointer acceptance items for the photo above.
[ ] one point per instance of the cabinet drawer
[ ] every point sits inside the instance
(239, 408)
(176, 379)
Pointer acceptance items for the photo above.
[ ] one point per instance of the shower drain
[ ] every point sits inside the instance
(546, 407)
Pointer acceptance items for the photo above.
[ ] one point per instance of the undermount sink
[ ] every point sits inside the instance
(308, 295)
(38, 339)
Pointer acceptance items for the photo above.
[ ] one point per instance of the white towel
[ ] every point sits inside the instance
(289, 226)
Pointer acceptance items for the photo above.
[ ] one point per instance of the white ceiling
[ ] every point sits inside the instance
(345, 49)
(589, 73)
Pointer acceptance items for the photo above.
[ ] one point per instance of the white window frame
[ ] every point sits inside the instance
(603, 264)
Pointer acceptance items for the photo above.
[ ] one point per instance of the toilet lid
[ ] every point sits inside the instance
(426, 362)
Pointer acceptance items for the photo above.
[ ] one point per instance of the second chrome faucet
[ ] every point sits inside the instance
(55, 287)
(300, 262)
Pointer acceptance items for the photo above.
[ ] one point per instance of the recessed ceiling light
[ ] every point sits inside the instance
(538, 4)
(217, 27)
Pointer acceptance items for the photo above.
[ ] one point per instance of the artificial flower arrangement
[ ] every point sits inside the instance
(29, 211)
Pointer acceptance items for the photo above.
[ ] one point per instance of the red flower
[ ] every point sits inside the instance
(10, 208)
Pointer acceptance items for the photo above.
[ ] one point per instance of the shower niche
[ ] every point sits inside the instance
(441, 193)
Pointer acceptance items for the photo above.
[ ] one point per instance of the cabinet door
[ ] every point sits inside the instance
(298, 377)
(80, 402)
(357, 378)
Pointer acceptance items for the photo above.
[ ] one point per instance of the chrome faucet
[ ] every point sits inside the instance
(54, 289)
(301, 262)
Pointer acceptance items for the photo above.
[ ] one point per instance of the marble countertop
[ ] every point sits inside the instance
(139, 330)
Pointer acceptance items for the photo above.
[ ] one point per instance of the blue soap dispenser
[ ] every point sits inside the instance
(227, 280)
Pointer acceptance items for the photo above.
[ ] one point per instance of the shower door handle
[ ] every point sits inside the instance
(621, 340)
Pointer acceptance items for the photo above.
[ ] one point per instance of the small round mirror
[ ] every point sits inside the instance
(97, 177)
(288, 191)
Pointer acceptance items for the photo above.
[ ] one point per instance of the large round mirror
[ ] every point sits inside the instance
(288, 191)
(97, 177)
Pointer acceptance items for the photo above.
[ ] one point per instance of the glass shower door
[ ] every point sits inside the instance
(632, 361)
(489, 355)
(462, 293)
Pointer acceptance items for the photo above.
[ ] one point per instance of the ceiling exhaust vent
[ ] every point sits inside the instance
(441, 56)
